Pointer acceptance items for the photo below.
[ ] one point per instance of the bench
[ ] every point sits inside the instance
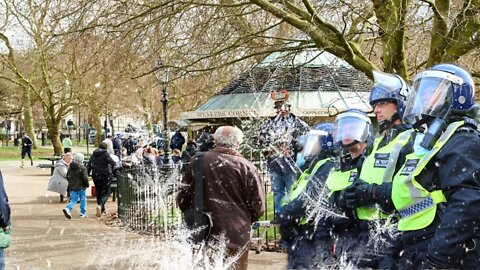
(45, 166)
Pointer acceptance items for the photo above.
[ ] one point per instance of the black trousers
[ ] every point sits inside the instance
(103, 189)
(27, 151)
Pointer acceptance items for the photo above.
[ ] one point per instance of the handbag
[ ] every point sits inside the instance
(199, 222)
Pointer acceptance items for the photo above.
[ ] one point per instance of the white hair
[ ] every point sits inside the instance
(228, 136)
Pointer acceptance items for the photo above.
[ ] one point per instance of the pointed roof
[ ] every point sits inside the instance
(319, 84)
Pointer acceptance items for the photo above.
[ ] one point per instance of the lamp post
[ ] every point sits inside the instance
(161, 73)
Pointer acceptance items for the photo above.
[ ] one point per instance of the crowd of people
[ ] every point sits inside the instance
(405, 196)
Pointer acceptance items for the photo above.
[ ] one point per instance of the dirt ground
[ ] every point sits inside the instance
(44, 239)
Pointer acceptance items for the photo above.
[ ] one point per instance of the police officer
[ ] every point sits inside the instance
(308, 246)
(436, 191)
(352, 133)
(387, 97)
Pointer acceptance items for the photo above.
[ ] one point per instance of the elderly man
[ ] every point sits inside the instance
(232, 193)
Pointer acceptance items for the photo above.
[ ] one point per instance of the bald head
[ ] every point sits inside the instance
(228, 136)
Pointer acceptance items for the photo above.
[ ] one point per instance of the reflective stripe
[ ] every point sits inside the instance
(433, 198)
(416, 193)
(401, 141)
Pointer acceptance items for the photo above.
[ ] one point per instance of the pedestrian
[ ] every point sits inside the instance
(150, 157)
(5, 223)
(189, 152)
(58, 182)
(308, 244)
(177, 158)
(436, 191)
(101, 166)
(117, 144)
(77, 178)
(233, 192)
(389, 151)
(26, 149)
(108, 141)
(130, 144)
(177, 141)
(208, 144)
(352, 133)
(278, 141)
(67, 144)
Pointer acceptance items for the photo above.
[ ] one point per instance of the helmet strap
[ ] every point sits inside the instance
(347, 146)
(386, 124)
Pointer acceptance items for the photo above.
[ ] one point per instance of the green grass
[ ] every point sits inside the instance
(14, 153)
(268, 215)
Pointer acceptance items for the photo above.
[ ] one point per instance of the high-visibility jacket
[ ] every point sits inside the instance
(416, 205)
(379, 167)
(300, 186)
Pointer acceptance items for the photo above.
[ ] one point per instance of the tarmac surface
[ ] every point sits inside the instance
(44, 239)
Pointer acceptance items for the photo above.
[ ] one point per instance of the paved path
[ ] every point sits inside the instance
(44, 239)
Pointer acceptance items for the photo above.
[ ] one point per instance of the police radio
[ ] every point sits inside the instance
(435, 129)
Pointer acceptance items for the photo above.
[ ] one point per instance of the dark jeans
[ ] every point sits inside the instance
(27, 151)
(103, 189)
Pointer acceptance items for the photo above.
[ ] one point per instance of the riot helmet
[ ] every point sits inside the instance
(318, 140)
(351, 127)
(438, 90)
(389, 88)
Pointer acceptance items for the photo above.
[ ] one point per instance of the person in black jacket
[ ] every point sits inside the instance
(26, 149)
(77, 178)
(308, 241)
(5, 222)
(101, 166)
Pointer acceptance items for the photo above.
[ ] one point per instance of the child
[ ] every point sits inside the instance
(77, 184)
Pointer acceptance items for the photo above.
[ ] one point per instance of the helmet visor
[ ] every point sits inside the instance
(350, 127)
(430, 95)
(390, 82)
(313, 146)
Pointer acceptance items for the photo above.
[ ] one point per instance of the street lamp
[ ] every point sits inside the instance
(162, 73)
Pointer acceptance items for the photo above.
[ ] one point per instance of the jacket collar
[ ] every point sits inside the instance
(227, 151)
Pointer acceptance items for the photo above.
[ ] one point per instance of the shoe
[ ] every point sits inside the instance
(21, 166)
(84, 216)
(98, 211)
(104, 213)
(67, 214)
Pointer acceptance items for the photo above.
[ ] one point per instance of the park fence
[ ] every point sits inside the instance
(147, 202)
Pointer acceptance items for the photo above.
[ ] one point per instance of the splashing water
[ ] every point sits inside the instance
(152, 208)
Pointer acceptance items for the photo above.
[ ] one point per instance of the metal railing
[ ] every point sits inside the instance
(147, 201)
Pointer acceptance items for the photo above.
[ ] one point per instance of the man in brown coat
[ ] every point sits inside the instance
(232, 192)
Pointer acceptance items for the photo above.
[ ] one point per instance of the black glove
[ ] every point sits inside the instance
(364, 193)
(349, 195)
(344, 201)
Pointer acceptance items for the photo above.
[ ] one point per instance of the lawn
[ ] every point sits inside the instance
(272, 232)
(14, 152)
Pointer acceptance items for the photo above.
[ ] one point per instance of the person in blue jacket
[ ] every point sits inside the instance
(5, 223)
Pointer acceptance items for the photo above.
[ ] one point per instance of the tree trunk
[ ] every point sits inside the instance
(28, 115)
(54, 134)
(98, 126)
(146, 113)
(112, 128)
